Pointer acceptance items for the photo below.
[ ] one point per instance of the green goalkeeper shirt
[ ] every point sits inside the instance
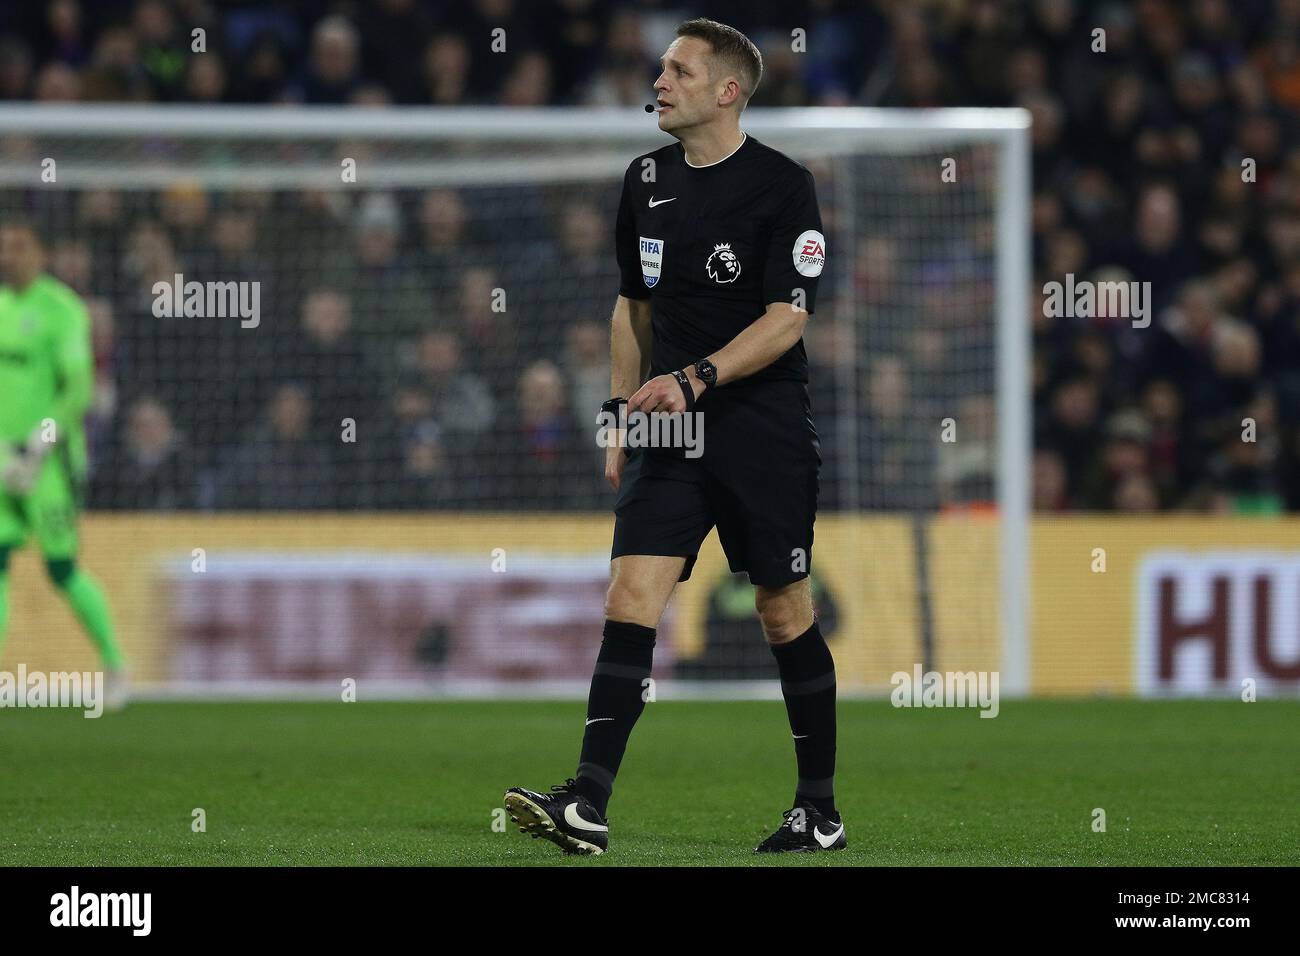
(46, 368)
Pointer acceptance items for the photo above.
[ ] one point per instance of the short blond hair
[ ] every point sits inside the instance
(735, 50)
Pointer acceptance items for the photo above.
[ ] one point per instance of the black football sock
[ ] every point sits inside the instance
(808, 685)
(613, 706)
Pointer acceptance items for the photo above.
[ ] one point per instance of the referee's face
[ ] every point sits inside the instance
(685, 87)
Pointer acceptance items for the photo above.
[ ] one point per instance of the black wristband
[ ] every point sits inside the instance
(688, 390)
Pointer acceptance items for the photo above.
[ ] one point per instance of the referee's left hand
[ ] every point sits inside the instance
(662, 394)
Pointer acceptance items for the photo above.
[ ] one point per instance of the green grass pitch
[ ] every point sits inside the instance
(1181, 782)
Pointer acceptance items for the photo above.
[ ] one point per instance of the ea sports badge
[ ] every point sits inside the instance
(810, 253)
(652, 260)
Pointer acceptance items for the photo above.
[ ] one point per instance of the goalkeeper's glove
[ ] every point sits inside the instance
(22, 466)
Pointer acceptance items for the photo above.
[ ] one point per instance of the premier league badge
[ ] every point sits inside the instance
(723, 266)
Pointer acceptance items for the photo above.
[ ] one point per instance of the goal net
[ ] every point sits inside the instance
(349, 361)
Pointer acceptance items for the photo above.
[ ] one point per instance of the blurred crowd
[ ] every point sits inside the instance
(379, 373)
(1164, 151)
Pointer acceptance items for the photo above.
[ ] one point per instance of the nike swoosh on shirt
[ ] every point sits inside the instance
(825, 841)
(660, 202)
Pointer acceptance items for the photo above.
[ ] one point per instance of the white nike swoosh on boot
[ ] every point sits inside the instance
(825, 841)
(572, 819)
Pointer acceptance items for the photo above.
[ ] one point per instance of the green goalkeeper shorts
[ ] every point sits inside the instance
(48, 511)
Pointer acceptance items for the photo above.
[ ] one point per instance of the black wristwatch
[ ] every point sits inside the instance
(707, 372)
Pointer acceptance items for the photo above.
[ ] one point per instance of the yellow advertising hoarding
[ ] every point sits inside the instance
(1214, 597)
(1111, 596)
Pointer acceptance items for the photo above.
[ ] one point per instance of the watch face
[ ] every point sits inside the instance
(707, 372)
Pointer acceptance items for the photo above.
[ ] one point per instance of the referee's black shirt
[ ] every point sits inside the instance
(712, 246)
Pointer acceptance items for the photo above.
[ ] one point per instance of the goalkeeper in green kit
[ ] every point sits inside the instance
(46, 380)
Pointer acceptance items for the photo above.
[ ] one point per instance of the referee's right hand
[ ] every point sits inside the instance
(615, 459)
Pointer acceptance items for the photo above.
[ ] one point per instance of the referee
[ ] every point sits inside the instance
(719, 244)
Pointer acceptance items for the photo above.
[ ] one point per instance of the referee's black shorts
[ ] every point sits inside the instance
(757, 481)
